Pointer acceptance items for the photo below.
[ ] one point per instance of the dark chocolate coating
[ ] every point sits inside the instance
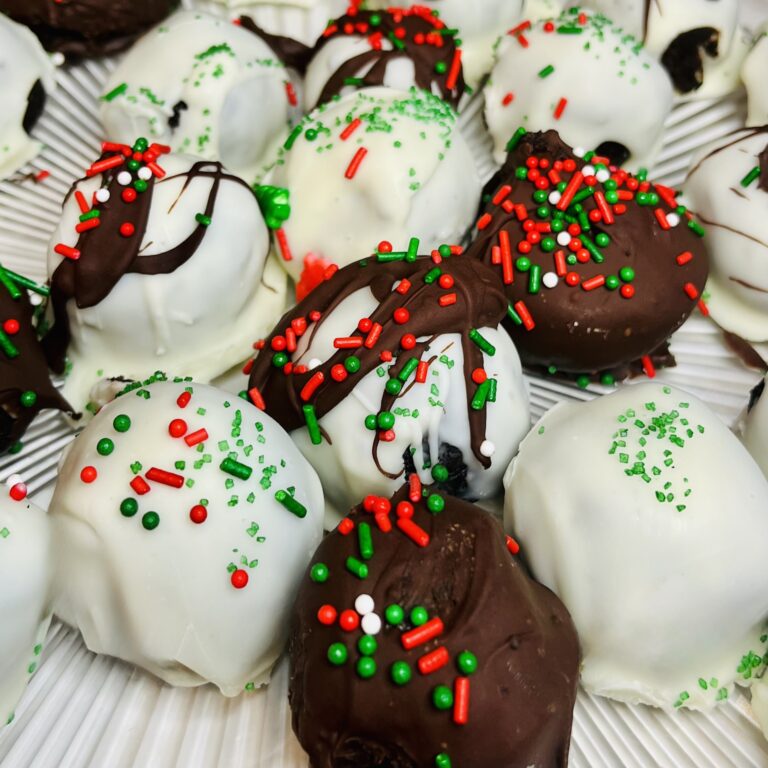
(292, 53)
(591, 331)
(684, 57)
(86, 28)
(521, 696)
(106, 255)
(480, 303)
(35, 106)
(412, 25)
(25, 372)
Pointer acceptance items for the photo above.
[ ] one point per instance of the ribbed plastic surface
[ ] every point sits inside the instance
(85, 710)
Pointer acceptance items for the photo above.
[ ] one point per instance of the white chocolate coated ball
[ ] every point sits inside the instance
(192, 579)
(648, 518)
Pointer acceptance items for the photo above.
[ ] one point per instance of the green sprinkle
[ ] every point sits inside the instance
(534, 279)
(94, 213)
(313, 427)
(365, 540)
(513, 316)
(432, 275)
(696, 228)
(356, 568)
(751, 176)
(516, 139)
(492, 387)
(442, 697)
(413, 249)
(481, 396)
(115, 92)
(291, 140)
(481, 342)
(202, 219)
(293, 506)
(236, 469)
(408, 369)
(547, 71)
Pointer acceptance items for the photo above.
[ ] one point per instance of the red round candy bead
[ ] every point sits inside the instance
(239, 578)
(404, 509)
(524, 247)
(198, 514)
(278, 343)
(627, 291)
(326, 615)
(177, 428)
(365, 324)
(18, 492)
(569, 165)
(401, 315)
(572, 278)
(88, 474)
(446, 281)
(128, 195)
(338, 372)
(349, 620)
(574, 229)
(11, 326)
(479, 375)
(385, 247)
(368, 503)
(408, 341)
(381, 506)
(582, 256)
(127, 229)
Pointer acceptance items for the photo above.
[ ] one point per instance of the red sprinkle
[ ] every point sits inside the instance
(66, 251)
(282, 242)
(403, 286)
(140, 485)
(309, 388)
(183, 399)
(447, 299)
(348, 342)
(512, 546)
(525, 316)
(348, 131)
(560, 108)
(703, 308)
(290, 92)
(165, 478)
(423, 634)
(691, 291)
(195, 438)
(384, 523)
(414, 488)
(354, 165)
(345, 527)
(684, 258)
(648, 366)
(256, 398)
(421, 371)
(414, 532)
(484, 221)
(593, 282)
(461, 701)
(431, 662)
(661, 217)
(82, 202)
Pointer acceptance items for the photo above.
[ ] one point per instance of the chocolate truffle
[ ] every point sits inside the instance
(138, 281)
(753, 74)
(600, 267)
(728, 189)
(25, 386)
(202, 86)
(84, 27)
(583, 75)
(419, 641)
(397, 47)
(27, 76)
(25, 571)
(697, 41)
(184, 518)
(479, 26)
(647, 517)
(377, 164)
(395, 365)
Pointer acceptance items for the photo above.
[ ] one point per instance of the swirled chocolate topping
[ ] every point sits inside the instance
(112, 228)
(419, 641)
(600, 266)
(291, 52)
(25, 386)
(87, 27)
(419, 298)
(416, 34)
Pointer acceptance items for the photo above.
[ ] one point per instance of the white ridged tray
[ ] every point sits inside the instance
(86, 710)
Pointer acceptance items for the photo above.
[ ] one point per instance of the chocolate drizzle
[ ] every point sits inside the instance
(615, 300)
(763, 180)
(523, 690)
(414, 34)
(480, 303)
(291, 52)
(24, 370)
(105, 255)
(741, 135)
(85, 27)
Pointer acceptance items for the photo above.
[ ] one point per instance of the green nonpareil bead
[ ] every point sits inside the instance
(441, 67)
(467, 663)
(401, 673)
(439, 473)
(122, 423)
(442, 761)
(442, 697)
(627, 274)
(319, 573)
(279, 359)
(523, 264)
(394, 614)
(28, 398)
(352, 364)
(386, 420)
(419, 616)
(129, 507)
(540, 196)
(367, 645)
(150, 520)
(548, 244)
(543, 212)
(370, 421)
(140, 185)
(393, 387)
(612, 282)
(337, 654)
(582, 382)
(435, 503)
(366, 667)
(602, 239)
(105, 446)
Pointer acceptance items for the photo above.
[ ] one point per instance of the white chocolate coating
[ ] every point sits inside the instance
(22, 63)
(435, 413)
(754, 428)
(753, 73)
(637, 529)
(737, 232)
(303, 20)
(25, 574)
(164, 598)
(479, 25)
(232, 83)
(197, 321)
(667, 19)
(418, 178)
(613, 90)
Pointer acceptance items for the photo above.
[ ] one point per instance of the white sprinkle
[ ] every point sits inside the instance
(487, 448)
(124, 178)
(102, 195)
(145, 173)
(563, 238)
(14, 480)
(364, 605)
(579, 152)
(588, 170)
(35, 299)
(603, 175)
(673, 219)
(550, 280)
(57, 59)
(313, 363)
(554, 197)
(371, 624)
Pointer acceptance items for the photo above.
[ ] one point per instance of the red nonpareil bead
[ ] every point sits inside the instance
(339, 372)
(198, 514)
(364, 324)
(479, 375)
(128, 194)
(18, 492)
(408, 341)
(88, 474)
(446, 281)
(401, 315)
(327, 615)
(239, 579)
(177, 428)
(127, 229)
(368, 502)
(11, 326)
(381, 506)
(404, 509)
(349, 620)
